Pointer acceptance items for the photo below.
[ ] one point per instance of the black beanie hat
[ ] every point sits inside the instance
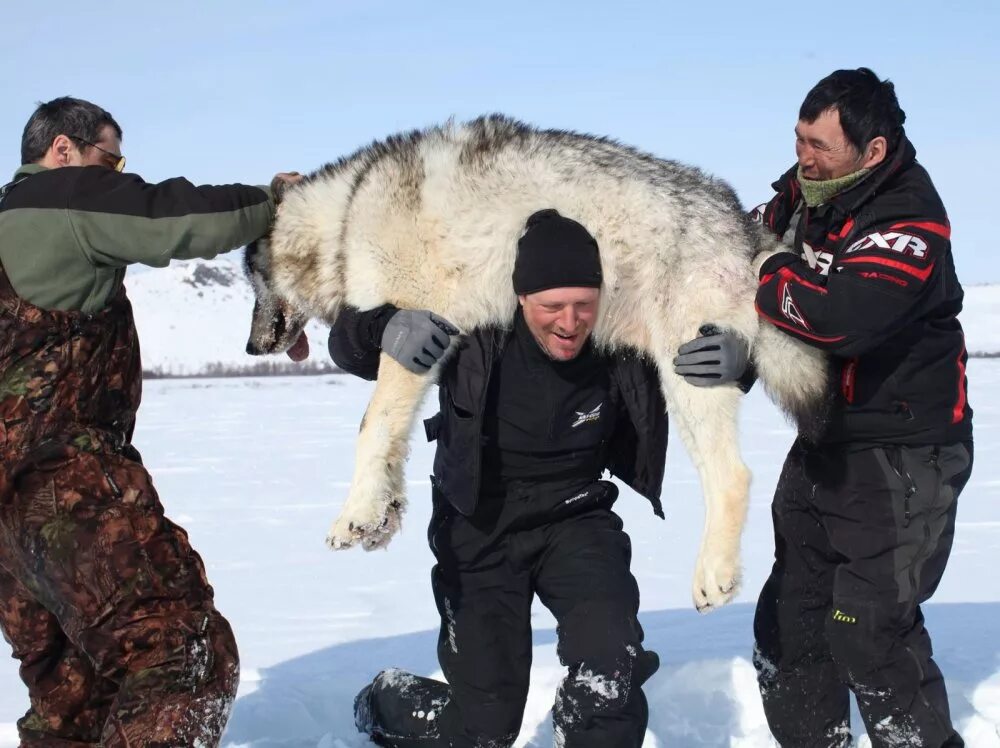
(555, 252)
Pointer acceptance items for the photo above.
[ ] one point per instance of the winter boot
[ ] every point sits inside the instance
(401, 710)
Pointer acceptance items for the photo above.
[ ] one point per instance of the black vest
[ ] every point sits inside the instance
(546, 420)
(635, 451)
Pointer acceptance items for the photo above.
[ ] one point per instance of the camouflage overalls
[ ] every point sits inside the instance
(102, 598)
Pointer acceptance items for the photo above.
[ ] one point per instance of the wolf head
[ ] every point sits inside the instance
(276, 325)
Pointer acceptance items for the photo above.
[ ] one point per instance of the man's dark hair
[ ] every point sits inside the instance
(868, 107)
(63, 116)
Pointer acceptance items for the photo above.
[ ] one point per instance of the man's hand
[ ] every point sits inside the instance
(417, 338)
(762, 257)
(713, 359)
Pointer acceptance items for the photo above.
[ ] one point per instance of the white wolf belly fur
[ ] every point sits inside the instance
(430, 220)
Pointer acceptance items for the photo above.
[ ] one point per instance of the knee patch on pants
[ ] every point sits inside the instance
(183, 690)
(601, 645)
(191, 653)
(599, 633)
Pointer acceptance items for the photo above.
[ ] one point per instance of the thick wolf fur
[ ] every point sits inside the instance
(431, 219)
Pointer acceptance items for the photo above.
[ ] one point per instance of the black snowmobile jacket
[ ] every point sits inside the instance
(636, 453)
(871, 281)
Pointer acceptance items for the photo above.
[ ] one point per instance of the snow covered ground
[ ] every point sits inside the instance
(256, 470)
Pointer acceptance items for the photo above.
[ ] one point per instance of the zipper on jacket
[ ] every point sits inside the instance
(902, 409)
(933, 461)
(498, 342)
(907, 479)
(115, 488)
(911, 489)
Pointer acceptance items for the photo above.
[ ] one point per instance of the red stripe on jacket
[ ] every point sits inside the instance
(895, 264)
(787, 274)
(844, 231)
(958, 412)
(941, 229)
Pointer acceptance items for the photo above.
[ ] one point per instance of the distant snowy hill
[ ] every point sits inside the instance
(194, 317)
(981, 319)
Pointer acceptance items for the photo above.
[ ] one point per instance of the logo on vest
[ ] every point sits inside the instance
(589, 416)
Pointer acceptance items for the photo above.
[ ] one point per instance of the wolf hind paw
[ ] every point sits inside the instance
(716, 582)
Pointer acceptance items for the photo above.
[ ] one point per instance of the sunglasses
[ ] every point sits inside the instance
(119, 161)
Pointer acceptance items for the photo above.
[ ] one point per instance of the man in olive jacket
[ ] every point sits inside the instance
(103, 600)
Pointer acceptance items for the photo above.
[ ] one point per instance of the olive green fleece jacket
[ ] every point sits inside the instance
(67, 234)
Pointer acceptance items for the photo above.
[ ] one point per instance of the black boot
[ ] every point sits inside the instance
(401, 710)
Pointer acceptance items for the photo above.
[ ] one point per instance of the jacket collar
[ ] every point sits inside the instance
(852, 198)
(26, 170)
(23, 172)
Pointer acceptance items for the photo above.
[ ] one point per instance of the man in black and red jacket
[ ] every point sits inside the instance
(864, 518)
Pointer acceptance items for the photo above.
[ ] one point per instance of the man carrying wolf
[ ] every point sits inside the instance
(102, 598)
(864, 519)
(530, 418)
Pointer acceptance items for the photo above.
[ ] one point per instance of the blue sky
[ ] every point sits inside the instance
(235, 91)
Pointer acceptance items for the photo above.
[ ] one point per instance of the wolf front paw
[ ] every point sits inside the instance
(372, 528)
(716, 580)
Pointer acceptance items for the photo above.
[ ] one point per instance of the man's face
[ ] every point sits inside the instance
(823, 150)
(85, 155)
(561, 319)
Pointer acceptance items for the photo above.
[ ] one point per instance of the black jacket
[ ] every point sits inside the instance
(882, 299)
(636, 452)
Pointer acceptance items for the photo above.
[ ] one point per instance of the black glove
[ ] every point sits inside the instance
(714, 358)
(417, 338)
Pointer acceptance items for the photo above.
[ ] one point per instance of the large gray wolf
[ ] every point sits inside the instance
(431, 219)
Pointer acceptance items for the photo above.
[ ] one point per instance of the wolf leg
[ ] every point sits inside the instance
(375, 503)
(707, 420)
(796, 377)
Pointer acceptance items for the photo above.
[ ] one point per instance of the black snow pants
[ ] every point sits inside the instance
(862, 536)
(563, 543)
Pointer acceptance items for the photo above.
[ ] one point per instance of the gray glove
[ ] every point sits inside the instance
(417, 338)
(714, 358)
